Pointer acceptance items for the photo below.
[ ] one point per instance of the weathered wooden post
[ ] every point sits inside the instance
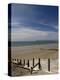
(33, 61)
(24, 62)
(20, 62)
(48, 64)
(31, 70)
(28, 63)
(15, 59)
(39, 64)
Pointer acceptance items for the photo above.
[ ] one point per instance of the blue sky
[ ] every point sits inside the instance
(34, 22)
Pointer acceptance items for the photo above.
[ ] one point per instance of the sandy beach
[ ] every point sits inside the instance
(35, 51)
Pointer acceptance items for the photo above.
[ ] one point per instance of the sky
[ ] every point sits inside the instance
(34, 22)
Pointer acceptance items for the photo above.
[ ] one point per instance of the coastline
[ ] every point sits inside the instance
(36, 51)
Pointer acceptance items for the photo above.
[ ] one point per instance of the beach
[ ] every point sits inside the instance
(44, 52)
(35, 51)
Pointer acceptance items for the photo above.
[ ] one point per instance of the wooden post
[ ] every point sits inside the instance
(48, 64)
(15, 59)
(20, 62)
(33, 61)
(39, 64)
(31, 70)
(24, 61)
(28, 63)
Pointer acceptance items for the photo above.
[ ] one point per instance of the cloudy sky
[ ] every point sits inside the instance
(32, 22)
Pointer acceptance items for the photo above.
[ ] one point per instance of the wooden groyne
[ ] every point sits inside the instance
(22, 63)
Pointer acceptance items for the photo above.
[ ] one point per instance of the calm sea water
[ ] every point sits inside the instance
(27, 43)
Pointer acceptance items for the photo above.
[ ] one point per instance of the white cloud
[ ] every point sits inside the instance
(26, 34)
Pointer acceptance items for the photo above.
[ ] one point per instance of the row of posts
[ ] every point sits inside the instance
(34, 65)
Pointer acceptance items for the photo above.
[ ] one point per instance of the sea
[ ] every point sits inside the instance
(28, 43)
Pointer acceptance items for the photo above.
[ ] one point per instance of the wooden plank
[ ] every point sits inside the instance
(35, 65)
(23, 67)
